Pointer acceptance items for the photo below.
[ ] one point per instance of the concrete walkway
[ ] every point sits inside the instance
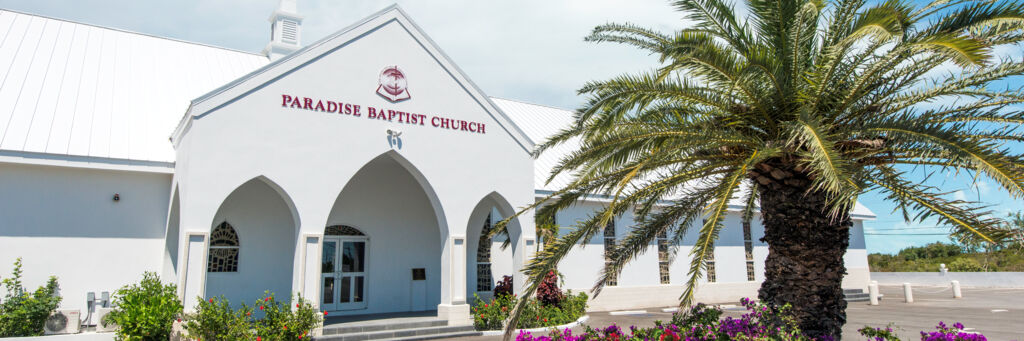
(996, 313)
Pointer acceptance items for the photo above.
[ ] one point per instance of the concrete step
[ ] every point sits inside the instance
(418, 333)
(860, 297)
(374, 327)
(853, 291)
(436, 336)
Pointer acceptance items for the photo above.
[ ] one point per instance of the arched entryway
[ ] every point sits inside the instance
(394, 211)
(489, 259)
(252, 244)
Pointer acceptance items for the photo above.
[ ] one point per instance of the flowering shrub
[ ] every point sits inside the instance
(700, 323)
(216, 320)
(503, 288)
(879, 334)
(548, 292)
(761, 322)
(491, 315)
(951, 334)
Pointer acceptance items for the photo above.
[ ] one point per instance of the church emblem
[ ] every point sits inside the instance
(393, 85)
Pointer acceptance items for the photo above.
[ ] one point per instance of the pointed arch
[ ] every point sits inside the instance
(485, 259)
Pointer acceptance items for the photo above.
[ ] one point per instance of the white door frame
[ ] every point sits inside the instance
(338, 274)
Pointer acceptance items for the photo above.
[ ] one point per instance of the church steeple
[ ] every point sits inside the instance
(285, 30)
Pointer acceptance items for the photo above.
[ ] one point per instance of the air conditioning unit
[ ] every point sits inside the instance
(102, 323)
(63, 321)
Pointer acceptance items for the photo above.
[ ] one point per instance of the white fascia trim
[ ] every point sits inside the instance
(89, 162)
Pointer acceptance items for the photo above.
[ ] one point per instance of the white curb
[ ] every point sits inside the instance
(627, 312)
(670, 310)
(579, 321)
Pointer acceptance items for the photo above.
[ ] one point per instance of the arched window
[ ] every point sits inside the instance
(223, 249)
(483, 258)
(342, 230)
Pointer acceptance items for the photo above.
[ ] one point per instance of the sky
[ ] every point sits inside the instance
(526, 50)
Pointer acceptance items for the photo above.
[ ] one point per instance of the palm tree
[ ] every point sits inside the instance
(793, 112)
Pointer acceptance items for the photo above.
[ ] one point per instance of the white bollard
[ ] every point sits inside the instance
(956, 289)
(908, 293)
(873, 292)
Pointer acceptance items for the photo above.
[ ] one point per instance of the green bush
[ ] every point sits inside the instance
(491, 315)
(282, 323)
(24, 313)
(147, 310)
(965, 265)
(215, 320)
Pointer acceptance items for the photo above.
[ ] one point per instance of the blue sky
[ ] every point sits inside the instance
(528, 50)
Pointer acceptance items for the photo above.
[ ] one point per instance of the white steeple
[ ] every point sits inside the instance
(285, 30)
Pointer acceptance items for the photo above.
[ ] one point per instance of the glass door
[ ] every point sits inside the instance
(343, 273)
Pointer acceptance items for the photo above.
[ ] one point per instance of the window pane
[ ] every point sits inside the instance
(352, 256)
(328, 290)
(358, 292)
(346, 289)
(328, 257)
(483, 277)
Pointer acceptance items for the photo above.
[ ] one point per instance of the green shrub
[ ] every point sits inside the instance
(491, 315)
(965, 265)
(282, 323)
(23, 313)
(147, 310)
(214, 320)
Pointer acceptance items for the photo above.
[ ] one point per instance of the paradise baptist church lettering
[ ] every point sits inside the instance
(231, 173)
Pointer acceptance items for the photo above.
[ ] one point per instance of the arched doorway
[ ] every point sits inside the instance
(392, 208)
(252, 244)
(490, 259)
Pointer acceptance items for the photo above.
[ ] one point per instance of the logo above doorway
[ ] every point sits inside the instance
(392, 85)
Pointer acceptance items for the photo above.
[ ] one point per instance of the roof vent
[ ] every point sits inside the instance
(285, 30)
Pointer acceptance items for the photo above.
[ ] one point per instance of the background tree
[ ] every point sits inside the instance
(793, 111)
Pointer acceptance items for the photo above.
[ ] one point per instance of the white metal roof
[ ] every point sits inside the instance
(74, 89)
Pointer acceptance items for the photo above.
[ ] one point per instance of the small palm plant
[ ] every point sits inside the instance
(792, 113)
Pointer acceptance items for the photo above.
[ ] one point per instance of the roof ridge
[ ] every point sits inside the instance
(131, 32)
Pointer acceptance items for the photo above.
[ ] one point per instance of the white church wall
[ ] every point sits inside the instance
(64, 222)
(639, 283)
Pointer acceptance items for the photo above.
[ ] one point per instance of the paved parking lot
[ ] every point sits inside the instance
(996, 313)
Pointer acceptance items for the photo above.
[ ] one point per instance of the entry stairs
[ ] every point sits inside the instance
(856, 295)
(403, 330)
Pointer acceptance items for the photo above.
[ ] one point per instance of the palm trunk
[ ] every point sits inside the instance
(805, 251)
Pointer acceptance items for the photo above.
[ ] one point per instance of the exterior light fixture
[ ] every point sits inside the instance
(117, 197)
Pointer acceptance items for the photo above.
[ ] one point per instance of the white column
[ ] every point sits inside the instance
(455, 311)
(956, 289)
(192, 281)
(309, 268)
(908, 293)
(873, 292)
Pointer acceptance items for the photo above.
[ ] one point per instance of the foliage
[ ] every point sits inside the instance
(879, 334)
(548, 292)
(837, 98)
(701, 323)
(925, 259)
(492, 315)
(24, 313)
(146, 310)
(942, 333)
(215, 320)
(267, 319)
(282, 323)
(503, 288)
